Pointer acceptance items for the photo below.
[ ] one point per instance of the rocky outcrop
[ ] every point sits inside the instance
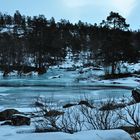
(14, 117)
(7, 114)
(19, 119)
(22, 70)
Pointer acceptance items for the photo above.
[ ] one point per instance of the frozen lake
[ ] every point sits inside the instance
(15, 94)
(22, 91)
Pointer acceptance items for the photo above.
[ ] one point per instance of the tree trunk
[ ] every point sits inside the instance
(113, 68)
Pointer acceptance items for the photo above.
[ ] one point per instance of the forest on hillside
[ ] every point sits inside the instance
(40, 42)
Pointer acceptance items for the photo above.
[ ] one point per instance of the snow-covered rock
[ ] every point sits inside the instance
(56, 76)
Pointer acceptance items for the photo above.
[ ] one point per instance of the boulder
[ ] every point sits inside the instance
(136, 94)
(111, 106)
(86, 103)
(130, 129)
(53, 113)
(69, 105)
(19, 119)
(7, 114)
(41, 70)
(8, 122)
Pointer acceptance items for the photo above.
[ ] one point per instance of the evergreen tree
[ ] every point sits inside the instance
(116, 43)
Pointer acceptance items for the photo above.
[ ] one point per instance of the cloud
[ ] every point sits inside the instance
(124, 7)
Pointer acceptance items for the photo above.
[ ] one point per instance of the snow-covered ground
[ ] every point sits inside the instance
(27, 132)
(10, 133)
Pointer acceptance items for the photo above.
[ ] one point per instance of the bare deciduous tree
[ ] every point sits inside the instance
(96, 119)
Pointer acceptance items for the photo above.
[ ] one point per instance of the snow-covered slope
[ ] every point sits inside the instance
(12, 134)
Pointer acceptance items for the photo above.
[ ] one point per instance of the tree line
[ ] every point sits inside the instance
(38, 41)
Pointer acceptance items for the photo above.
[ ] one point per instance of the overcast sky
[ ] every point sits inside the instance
(91, 11)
